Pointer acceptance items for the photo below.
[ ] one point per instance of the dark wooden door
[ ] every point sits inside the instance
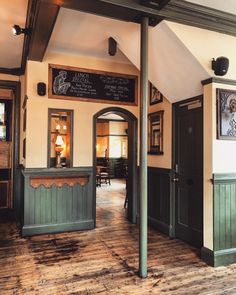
(188, 166)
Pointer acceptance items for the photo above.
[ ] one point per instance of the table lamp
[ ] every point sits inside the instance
(59, 148)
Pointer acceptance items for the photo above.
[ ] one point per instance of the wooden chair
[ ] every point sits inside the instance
(98, 177)
(102, 175)
(105, 176)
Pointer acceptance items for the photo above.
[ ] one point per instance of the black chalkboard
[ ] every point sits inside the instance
(68, 82)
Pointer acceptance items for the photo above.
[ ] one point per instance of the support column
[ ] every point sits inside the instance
(143, 148)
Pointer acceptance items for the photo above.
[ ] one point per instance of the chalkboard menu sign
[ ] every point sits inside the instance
(81, 84)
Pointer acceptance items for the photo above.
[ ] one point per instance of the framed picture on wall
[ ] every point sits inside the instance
(155, 133)
(154, 94)
(226, 115)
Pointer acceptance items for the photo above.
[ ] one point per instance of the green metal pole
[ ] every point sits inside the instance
(143, 148)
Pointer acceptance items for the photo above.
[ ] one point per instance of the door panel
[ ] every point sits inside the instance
(182, 210)
(188, 161)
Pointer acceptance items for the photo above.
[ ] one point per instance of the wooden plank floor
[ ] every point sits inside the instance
(105, 260)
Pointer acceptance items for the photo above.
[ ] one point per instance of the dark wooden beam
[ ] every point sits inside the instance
(45, 15)
(11, 71)
(175, 10)
(156, 4)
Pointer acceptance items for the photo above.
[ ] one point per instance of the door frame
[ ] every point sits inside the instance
(173, 187)
(132, 158)
(15, 86)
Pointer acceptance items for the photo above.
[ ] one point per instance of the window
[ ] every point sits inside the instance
(60, 138)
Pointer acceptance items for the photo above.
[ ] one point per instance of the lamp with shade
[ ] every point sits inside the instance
(59, 146)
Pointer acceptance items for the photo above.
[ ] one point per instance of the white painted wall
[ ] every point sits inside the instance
(37, 109)
(206, 45)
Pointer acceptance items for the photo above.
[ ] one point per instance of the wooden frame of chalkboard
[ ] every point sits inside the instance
(73, 83)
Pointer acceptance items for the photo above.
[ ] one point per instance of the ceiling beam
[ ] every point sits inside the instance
(44, 18)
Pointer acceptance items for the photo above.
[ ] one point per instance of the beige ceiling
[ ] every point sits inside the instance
(11, 12)
(86, 34)
(83, 34)
(223, 5)
(72, 34)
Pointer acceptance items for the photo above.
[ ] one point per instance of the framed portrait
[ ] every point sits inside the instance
(154, 94)
(155, 133)
(226, 114)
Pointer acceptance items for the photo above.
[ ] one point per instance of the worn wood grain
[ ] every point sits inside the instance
(105, 260)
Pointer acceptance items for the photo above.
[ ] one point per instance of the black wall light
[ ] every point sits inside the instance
(112, 46)
(17, 30)
(220, 65)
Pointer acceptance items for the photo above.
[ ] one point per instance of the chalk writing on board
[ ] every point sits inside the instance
(77, 83)
(59, 84)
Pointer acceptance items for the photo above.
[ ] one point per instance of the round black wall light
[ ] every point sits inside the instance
(220, 65)
(17, 30)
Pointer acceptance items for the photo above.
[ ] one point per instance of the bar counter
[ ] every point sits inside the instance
(57, 200)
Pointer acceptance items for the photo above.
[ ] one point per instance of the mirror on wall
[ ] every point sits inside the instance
(60, 138)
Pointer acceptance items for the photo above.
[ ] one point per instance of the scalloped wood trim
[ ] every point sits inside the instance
(49, 181)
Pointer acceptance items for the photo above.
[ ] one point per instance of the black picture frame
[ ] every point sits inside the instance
(226, 114)
(155, 96)
(24, 119)
(24, 148)
(155, 133)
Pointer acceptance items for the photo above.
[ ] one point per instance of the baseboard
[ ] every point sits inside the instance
(30, 230)
(218, 258)
(159, 225)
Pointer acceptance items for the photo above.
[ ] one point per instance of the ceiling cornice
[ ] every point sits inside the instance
(200, 16)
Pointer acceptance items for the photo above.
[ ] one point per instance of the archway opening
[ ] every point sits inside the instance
(115, 161)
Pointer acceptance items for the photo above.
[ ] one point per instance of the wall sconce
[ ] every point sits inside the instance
(17, 30)
(59, 148)
(220, 65)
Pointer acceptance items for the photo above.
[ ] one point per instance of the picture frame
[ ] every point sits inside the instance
(155, 133)
(226, 114)
(24, 119)
(24, 148)
(154, 94)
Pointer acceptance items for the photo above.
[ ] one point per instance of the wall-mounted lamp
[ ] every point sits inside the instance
(59, 146)
(17, 30)
(220, 65)
(112, 46)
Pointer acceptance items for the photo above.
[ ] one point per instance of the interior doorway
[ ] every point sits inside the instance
(188, 169)
(10, 204)
(115, 158)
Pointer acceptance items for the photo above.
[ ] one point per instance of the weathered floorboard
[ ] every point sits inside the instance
(105, 260)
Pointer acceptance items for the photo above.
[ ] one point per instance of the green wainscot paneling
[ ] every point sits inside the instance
(159, 199)
(224, 221)
(57, 208)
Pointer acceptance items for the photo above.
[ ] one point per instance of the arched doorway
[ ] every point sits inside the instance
(132, 159)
